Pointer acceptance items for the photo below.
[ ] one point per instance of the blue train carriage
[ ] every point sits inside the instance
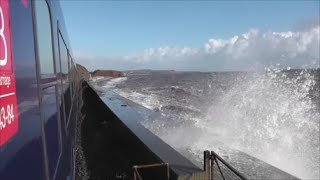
(38, 92)
(41, 92)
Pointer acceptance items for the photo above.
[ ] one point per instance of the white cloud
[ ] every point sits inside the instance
(162, 54)
(251, 50)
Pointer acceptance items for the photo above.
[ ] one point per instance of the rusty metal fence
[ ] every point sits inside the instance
(218, 169)
(136, 174)
(214, 168)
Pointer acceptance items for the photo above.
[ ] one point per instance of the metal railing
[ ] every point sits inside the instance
(218, 168)
(215, 168)
(137, 167)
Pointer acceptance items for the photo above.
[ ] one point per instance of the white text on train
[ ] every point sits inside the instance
(6, 116)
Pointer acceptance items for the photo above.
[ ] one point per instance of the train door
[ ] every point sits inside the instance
(64, 75)
(48, 86)
(65, 98)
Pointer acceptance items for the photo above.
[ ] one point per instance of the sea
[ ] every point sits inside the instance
(272, 115)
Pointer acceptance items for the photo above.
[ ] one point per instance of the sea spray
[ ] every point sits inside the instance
(273, 116)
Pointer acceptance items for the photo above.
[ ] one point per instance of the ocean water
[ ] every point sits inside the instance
(273, 116)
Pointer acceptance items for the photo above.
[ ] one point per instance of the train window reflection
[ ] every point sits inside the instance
(64, 56)
(64, 60)
(44, 38)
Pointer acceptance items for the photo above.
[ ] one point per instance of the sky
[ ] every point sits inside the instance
(193, 35)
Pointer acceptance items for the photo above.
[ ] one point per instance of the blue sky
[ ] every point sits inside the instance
(121, 28)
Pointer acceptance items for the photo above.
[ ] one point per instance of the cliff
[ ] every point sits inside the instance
(107, 73)
(98, 73)
(84, 71)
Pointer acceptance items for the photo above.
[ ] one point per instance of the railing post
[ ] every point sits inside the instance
(168, 171)
(212, 158)
(134, 173)
(206, 164)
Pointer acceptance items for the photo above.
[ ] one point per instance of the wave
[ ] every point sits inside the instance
(150, 102)
(114, 82)
(272, 116)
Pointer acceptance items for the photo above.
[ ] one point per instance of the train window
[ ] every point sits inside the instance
(44, 38)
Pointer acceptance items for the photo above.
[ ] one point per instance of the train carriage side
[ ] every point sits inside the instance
(37, 134)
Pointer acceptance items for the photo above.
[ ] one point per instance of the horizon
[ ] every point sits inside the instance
(229, 71)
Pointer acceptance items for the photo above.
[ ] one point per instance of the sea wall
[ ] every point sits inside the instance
(110, 147)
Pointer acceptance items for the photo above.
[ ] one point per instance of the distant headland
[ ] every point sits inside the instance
(97, 74)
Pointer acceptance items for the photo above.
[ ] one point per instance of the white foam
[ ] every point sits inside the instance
(268, 116)
(115, 81)
(149, 101)
(272, 118)
(97, 78)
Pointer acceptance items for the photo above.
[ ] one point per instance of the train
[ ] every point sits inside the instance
(39, 92)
